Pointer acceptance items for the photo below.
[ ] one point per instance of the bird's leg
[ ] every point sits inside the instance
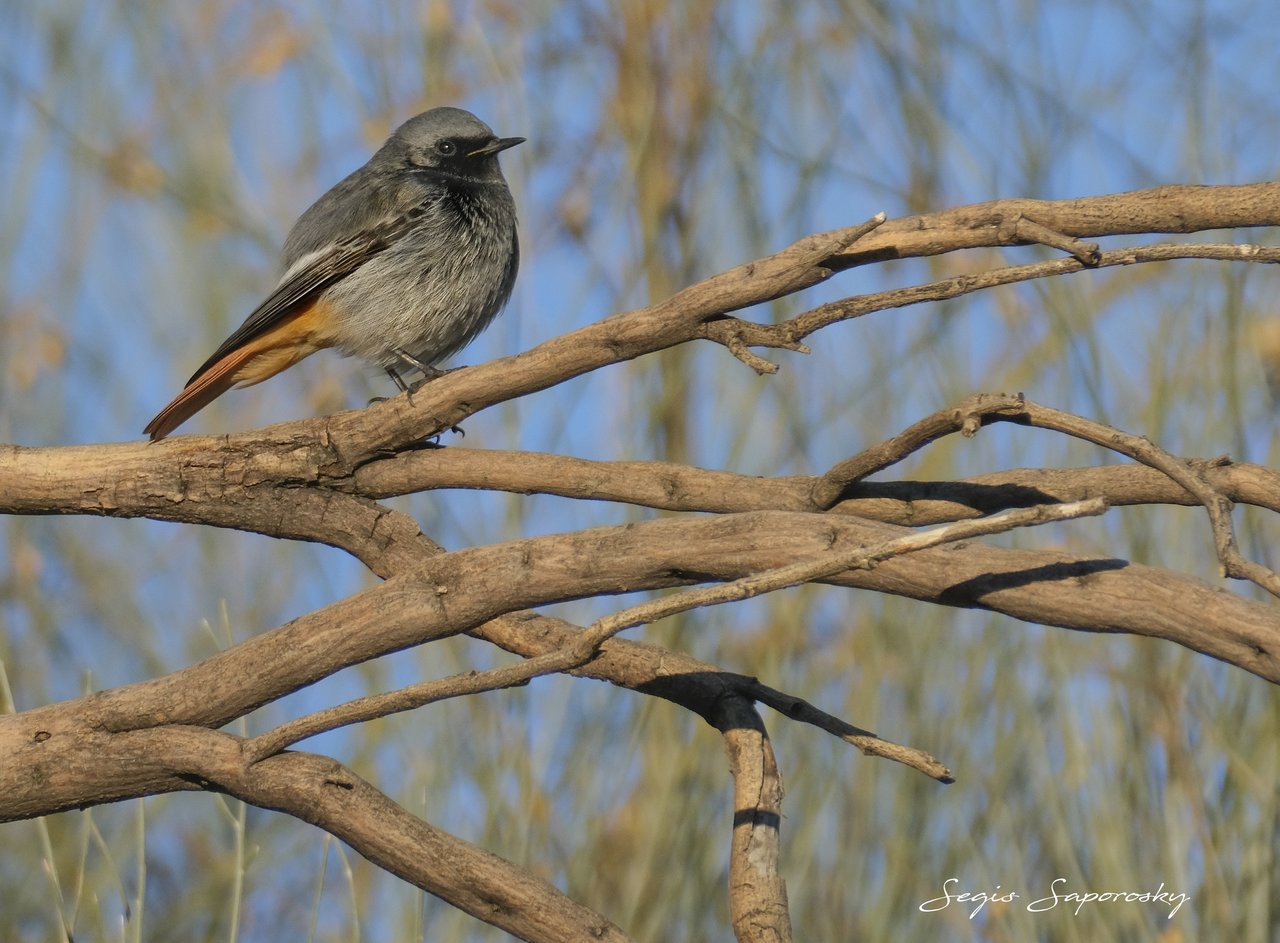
(398, 381)
(428, 372)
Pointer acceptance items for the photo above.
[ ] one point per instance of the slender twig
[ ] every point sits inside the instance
(1232, 562)
(735, 332)
(861, 558)
(693, 684)
(801, 711)
(966, 419)
(795, 268)
(986, 407)
(983, 408)
(1028, 230)
(807, 322)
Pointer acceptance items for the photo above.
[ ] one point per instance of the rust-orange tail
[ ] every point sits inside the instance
(259, 359)
(198, 394)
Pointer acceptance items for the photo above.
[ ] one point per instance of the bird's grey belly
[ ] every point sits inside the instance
(417, 298)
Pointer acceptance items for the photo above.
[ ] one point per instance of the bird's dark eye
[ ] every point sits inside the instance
(446, 148)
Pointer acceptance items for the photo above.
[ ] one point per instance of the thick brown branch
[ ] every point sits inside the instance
(674, 487)
(584, 646)
(219, 487)
(1171, 209)
(1051, 615)
(467, 588)
(105, 766)
(757, 893)
(74, 480)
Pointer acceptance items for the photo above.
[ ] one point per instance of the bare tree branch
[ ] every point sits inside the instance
(1169, 209)
(966, 419)
(1218, 505)
(320, 480)
(348, 439)
(802, 325)
(800, 710)
(464, 589)
(672, 487)
(323, 792)
(586, 645)
(757, 893)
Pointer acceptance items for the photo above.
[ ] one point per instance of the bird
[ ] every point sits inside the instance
(402, 263)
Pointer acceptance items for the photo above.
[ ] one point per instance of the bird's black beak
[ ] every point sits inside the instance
(497, 144)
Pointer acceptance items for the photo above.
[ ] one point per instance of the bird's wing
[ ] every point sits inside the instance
(313, 273)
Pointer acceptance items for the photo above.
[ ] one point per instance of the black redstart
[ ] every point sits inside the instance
(403, 263)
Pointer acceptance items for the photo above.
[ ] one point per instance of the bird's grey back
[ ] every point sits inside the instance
(378, 192)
